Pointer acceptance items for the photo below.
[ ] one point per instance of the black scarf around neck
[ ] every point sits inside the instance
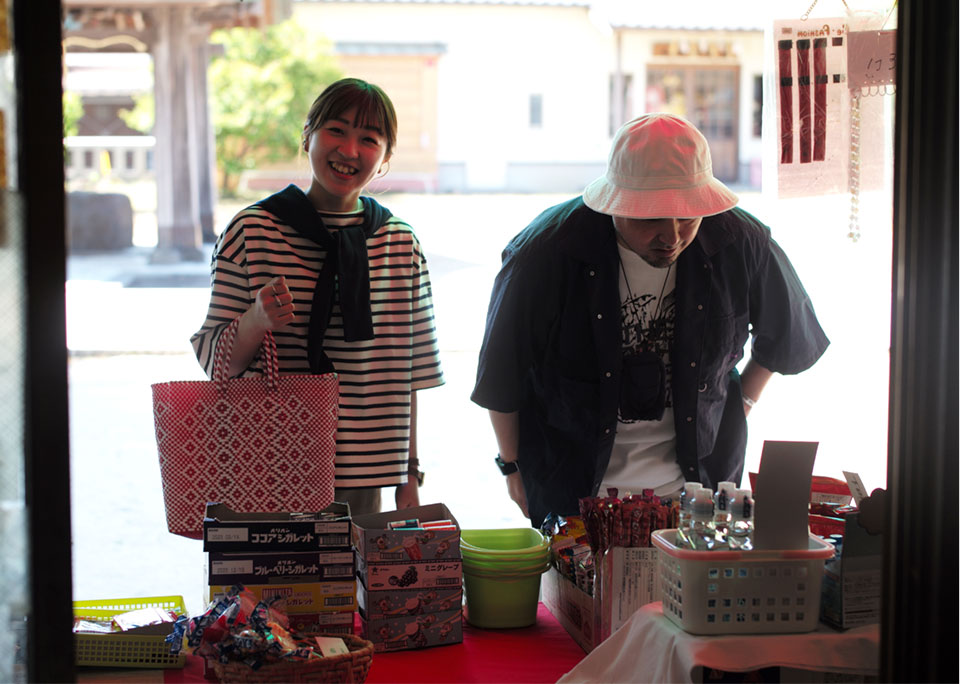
(346, 262)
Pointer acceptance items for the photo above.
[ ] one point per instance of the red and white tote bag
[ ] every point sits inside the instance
(256, 444)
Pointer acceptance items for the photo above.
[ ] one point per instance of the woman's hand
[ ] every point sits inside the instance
(271, 310)
(408, 495)
(273, 307)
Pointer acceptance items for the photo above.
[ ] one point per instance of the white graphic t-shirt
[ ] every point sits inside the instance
(644, 452)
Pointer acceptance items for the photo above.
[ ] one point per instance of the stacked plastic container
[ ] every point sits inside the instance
(501, 575)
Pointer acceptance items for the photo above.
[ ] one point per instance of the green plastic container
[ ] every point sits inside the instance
(501, 602)
(506, 566)
(508, 542)
(505, 570)
(501, 576)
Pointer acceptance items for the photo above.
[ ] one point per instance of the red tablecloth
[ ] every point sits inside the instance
(543, 652)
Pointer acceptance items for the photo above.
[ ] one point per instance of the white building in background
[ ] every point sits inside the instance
(502, 95)
(524, 95)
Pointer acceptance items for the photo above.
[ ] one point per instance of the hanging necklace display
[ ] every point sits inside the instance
(823, 69)
(871, 64)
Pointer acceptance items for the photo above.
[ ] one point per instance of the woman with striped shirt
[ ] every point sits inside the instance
(343, 285)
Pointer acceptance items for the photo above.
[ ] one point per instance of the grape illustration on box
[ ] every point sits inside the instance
(406, 579)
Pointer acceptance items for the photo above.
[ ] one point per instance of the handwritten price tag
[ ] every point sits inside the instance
(871, 58)
(857, 489)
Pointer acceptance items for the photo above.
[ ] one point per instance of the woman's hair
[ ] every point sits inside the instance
(373, 107)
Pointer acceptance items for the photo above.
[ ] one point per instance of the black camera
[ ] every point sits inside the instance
(643, 387)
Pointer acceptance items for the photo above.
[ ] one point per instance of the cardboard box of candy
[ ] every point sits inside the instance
(228, 531)
(327, 623)
(852, 580)
(437, 537)
(421, 574)
(573, 608)
(301, 597)
(604, 568)
(414, 631)
(392, 603)
(630, 579)
(280, 567)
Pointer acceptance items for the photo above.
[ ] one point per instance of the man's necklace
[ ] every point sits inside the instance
(633, 300)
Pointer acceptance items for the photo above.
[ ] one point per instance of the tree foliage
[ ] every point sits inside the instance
(261, 89)
(72, 112)
(142, 116)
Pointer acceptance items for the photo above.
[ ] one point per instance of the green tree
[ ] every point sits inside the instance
(261, 89)
(72, 112)
(142, 116)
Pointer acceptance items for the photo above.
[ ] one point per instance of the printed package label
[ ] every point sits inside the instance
(305, 597)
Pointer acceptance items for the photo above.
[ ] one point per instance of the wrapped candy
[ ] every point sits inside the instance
(239, 628)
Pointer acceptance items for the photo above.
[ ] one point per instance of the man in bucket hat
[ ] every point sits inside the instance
(617, 322)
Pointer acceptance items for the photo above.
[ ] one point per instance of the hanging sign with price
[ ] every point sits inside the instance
(871, 58)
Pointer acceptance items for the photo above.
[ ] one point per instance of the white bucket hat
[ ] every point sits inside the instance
(659, 167)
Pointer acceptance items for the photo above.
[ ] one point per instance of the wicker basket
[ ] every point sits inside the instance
(349, 667)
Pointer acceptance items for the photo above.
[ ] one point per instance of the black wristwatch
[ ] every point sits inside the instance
(414, 472)
(507, 468)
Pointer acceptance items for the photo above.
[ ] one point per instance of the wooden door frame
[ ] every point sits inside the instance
(688, 88)
(41, 200)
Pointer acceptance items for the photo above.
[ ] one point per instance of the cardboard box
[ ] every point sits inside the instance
(627, 578)
(375, 543)
(280, 567)
(325, 623)
(378, 605)
(630, 579)
(850, 591)
(414, 631)
(228, 531)
(424, 574)
(301, 597)
(573, 608)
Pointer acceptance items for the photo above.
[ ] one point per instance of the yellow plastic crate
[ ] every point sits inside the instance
(132, 648)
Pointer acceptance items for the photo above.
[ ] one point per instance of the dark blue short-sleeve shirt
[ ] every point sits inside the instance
(551, 350)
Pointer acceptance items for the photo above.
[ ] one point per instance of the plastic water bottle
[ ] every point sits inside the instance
(685, 515)
(721, 509)
(703, 534)
(740, 531)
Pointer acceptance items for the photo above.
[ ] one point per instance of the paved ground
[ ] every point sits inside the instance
(128, 323)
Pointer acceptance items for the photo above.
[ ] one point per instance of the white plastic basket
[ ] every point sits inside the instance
(741, 592)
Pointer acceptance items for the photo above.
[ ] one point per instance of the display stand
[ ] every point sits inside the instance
(540, 653)
(651, 648)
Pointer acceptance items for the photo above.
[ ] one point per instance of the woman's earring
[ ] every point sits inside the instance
(381, 173)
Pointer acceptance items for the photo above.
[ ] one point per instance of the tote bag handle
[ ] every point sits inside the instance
(224, 352)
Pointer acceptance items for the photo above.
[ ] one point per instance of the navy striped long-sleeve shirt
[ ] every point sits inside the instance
(376, 376)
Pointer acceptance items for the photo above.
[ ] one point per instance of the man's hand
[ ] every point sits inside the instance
(517, 492)
(408, 495)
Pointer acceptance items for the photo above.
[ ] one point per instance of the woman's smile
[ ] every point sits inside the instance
(342, 168)
(345, 155)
